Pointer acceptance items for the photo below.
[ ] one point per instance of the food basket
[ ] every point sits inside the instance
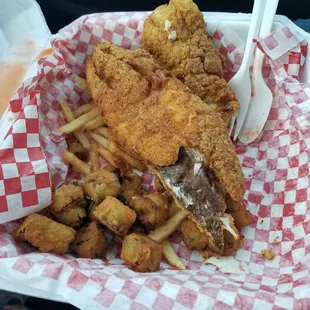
(275, 167)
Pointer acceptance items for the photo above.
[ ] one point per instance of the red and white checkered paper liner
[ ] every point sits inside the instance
(276, 168)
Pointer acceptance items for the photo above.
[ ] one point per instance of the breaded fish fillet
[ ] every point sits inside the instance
(176, 35)
(154, 117)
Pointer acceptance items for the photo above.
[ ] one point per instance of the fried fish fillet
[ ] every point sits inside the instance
(176, 35)
(156, 118)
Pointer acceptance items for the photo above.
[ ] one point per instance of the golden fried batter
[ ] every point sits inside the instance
(72, 217)
(176, 35)
(68, 204)
(141, 253)
(67, 194)
(45, 234)
(90, 241)
(115, 215)
(100, 184)
(151, 209)
(192, 237)
(131, 186)
(153, 114)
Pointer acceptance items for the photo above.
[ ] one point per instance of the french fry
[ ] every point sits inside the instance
(94, 157)
(76, 163)
(109, 145)
(135, 163)
(104, 131)
(109, 157)
(82, 83)
(171, 256)
(80, 136)
(80, 121)
(163, 231)
(114, 149)
(173, 208)
(95, 123)
(83, 109)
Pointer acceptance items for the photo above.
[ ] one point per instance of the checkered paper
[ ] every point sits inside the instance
(276, 168)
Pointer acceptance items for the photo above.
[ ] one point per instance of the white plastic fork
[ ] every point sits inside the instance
(261, 101)
(241, 83)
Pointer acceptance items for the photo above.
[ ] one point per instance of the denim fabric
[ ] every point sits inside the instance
(303, 24)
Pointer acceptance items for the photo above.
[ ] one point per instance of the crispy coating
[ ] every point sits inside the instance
(68, 204)
(268, 254)
(45, 234)
(67, 194)
(231, 244)
(100, 184)
(115, 215)
(141, 253)
(131, 186)
(153, 114)
(191, 56)
(72, 217)
(151, 209)
(232, 205)
(242, 218)
(90, 241)
(192, 237)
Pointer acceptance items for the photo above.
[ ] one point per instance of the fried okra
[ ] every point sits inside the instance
(90, 241)
(68, 204)
(131, 187)
(242, 218)
(115, 215)
(45, 234)
(151, 209)
(73, 216)
(101, 184)
(192, 237)
(141, 253)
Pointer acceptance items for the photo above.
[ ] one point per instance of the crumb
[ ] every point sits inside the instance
(268, 254)
(172, 35)
(204, 255)
(167, 25)
(276, 239)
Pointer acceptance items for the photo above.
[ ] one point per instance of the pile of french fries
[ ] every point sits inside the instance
(88, 127)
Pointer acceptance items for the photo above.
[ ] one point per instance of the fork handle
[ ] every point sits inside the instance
(256, 19)
(269, 13)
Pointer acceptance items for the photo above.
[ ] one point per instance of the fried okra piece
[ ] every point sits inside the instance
(90, 241)
(68, 204)
(131, 187)
(73, 216)
(151, 209)
(192, 237)
(115, 215)
(141, 253)
(45, 234)
(242, 218)
(101, 184)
